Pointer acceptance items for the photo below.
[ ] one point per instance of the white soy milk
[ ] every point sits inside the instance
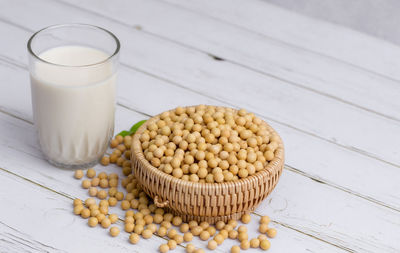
(73, 104)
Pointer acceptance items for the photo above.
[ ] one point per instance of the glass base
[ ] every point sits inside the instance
(73, 166)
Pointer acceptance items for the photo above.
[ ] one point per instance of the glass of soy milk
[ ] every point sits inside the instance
(73, 83)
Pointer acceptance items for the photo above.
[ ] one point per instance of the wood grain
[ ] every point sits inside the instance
(32, 166)
(300, 147)
(295, 66)
(25, 160)
(325, 212)
(323, 38)
(34, 219)
(298, 108)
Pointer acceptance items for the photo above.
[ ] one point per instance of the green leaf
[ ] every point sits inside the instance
(124, 133)
(133, 129)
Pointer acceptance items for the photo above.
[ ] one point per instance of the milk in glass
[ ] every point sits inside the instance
(73, 97)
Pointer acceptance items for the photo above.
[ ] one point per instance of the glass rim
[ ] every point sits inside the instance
(118, 45)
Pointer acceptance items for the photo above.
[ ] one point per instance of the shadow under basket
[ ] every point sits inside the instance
(209, 202)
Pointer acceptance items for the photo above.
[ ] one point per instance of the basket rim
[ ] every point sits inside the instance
(137, 151)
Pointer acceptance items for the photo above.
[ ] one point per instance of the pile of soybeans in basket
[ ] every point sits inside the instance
(143, 219)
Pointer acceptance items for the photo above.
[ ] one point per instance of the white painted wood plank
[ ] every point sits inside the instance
(305, 32)
(300, 148)
(302, 68)
(14, 146)
(33, 219)
(19, 155)
(33, 167)
(40, 221)
(299, 108)
(331, 215)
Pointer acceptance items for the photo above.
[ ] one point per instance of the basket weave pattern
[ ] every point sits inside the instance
(205, 201)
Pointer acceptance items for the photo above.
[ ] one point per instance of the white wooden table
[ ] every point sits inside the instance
(333, 94)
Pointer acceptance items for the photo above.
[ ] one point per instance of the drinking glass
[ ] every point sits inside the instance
(73, 69)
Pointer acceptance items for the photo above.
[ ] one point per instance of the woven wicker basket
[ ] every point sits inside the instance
(205, 201)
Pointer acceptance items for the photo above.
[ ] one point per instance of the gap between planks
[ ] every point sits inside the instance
(218, 58)
(20, 65)
(363, 152)
(279, 40)
(65, 195)
(288, 167)
(254, 224)
(312, 236)
(331, 184)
